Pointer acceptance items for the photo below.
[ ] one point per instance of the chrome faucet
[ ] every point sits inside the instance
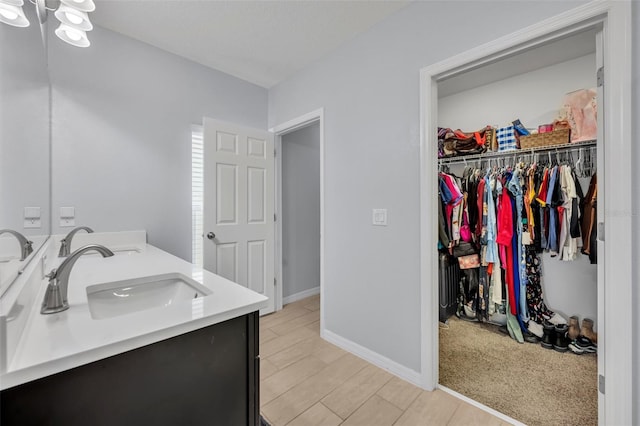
(55, 298)
(65, 243)
(26, 246)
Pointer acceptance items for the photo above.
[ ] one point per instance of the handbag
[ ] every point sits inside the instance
(463, 249)
(469, 261)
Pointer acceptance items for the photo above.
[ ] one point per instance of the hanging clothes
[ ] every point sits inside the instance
(589, 244)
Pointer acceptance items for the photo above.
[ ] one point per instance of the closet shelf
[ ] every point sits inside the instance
(568, 147)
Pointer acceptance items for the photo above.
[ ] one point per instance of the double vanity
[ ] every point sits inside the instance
(138, 336)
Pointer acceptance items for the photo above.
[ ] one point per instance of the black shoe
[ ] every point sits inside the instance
(573, 347)
(562, 341)
(585, 344)
(549, 335)
(530, 337)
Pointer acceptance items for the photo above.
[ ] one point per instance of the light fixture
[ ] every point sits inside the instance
(74, 17)
(72, 14)
(74, 21)
(72, 35)
(83, 5)
(11, 13)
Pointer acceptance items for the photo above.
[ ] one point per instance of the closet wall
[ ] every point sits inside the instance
(570, 288)
(301, 212)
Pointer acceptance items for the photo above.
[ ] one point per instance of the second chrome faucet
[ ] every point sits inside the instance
(55, 297)
(65, 243)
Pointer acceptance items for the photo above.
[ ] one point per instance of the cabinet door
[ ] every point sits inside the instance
(205, 377)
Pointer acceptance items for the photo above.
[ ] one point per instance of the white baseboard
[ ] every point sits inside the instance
(301, 295)
(374, 358)
(481, 406)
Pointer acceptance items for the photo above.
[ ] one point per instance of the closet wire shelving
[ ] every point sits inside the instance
(584, 149)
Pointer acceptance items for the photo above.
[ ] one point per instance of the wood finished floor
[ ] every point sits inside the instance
(306, 381)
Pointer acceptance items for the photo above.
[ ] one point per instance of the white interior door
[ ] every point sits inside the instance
(238, 206)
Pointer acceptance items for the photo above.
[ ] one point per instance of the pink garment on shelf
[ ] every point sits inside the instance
(580, 108)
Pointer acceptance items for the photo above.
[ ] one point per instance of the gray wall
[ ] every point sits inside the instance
(122, 116)
(301, 210)
(24, 126)
(369, 89)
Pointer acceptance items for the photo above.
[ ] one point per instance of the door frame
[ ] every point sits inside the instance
(316, 116)
(614, 312)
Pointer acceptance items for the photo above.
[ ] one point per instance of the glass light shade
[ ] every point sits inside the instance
(17, 3)
(73, 36)
(13, 15)
(74, 18)
(83, 5)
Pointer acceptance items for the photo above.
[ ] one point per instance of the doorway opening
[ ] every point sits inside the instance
(612, 18)
(300, 213)
(299, 234)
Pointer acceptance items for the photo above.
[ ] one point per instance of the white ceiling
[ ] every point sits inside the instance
(263, 42)
(561, 50)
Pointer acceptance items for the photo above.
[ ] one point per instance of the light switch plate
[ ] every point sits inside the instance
(67, 216)
(379, 217)
(32, 218)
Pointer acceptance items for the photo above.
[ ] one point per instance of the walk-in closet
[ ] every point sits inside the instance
(517, 195)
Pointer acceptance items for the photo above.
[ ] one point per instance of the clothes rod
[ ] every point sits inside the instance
(564, 148)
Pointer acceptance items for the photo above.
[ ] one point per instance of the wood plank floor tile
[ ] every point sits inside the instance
(294, 323)
(354, 392)
(430, 408)
(316, 346)
(266, 335)
(301, 397)
(468, 415)
(288, 377)
(282, 317)
(283, 342)
(267, 368)
(314, 304)
(318, 415)
(375, 411)
(399, 393)
(315, 326)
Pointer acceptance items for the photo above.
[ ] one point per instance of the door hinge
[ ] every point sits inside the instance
(274, 152)
(600, 76)
(275, 218)
(274, 281)
(600, 231)
(601, 383)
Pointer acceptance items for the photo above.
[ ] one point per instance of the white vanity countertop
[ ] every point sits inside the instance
(57, 342)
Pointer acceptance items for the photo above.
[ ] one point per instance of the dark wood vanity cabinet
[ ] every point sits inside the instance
(208, 376)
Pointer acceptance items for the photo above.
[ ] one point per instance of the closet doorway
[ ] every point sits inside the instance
(299, 248)
(300, 213)
(609, 26)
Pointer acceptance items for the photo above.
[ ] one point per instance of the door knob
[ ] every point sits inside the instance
(211, 235)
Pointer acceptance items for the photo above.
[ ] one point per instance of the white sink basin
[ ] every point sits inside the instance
(140, 294)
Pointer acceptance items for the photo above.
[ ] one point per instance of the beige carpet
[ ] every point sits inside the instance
(531, 384)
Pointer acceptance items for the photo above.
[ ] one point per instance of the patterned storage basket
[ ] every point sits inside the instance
(557, 137)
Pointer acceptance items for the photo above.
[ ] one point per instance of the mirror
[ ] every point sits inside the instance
(24, 143)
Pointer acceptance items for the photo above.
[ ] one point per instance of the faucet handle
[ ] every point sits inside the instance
(64, 250)
(52, 275)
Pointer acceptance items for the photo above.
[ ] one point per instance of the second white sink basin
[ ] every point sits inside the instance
(139, 294)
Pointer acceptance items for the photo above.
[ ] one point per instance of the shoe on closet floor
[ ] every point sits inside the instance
(574, 328)
(573, 347)
(562, 341)
(535, 328)
(468, 314)
(530, 337)
(587, 330)
(556, 319)
(549, 335)
(586, 344)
